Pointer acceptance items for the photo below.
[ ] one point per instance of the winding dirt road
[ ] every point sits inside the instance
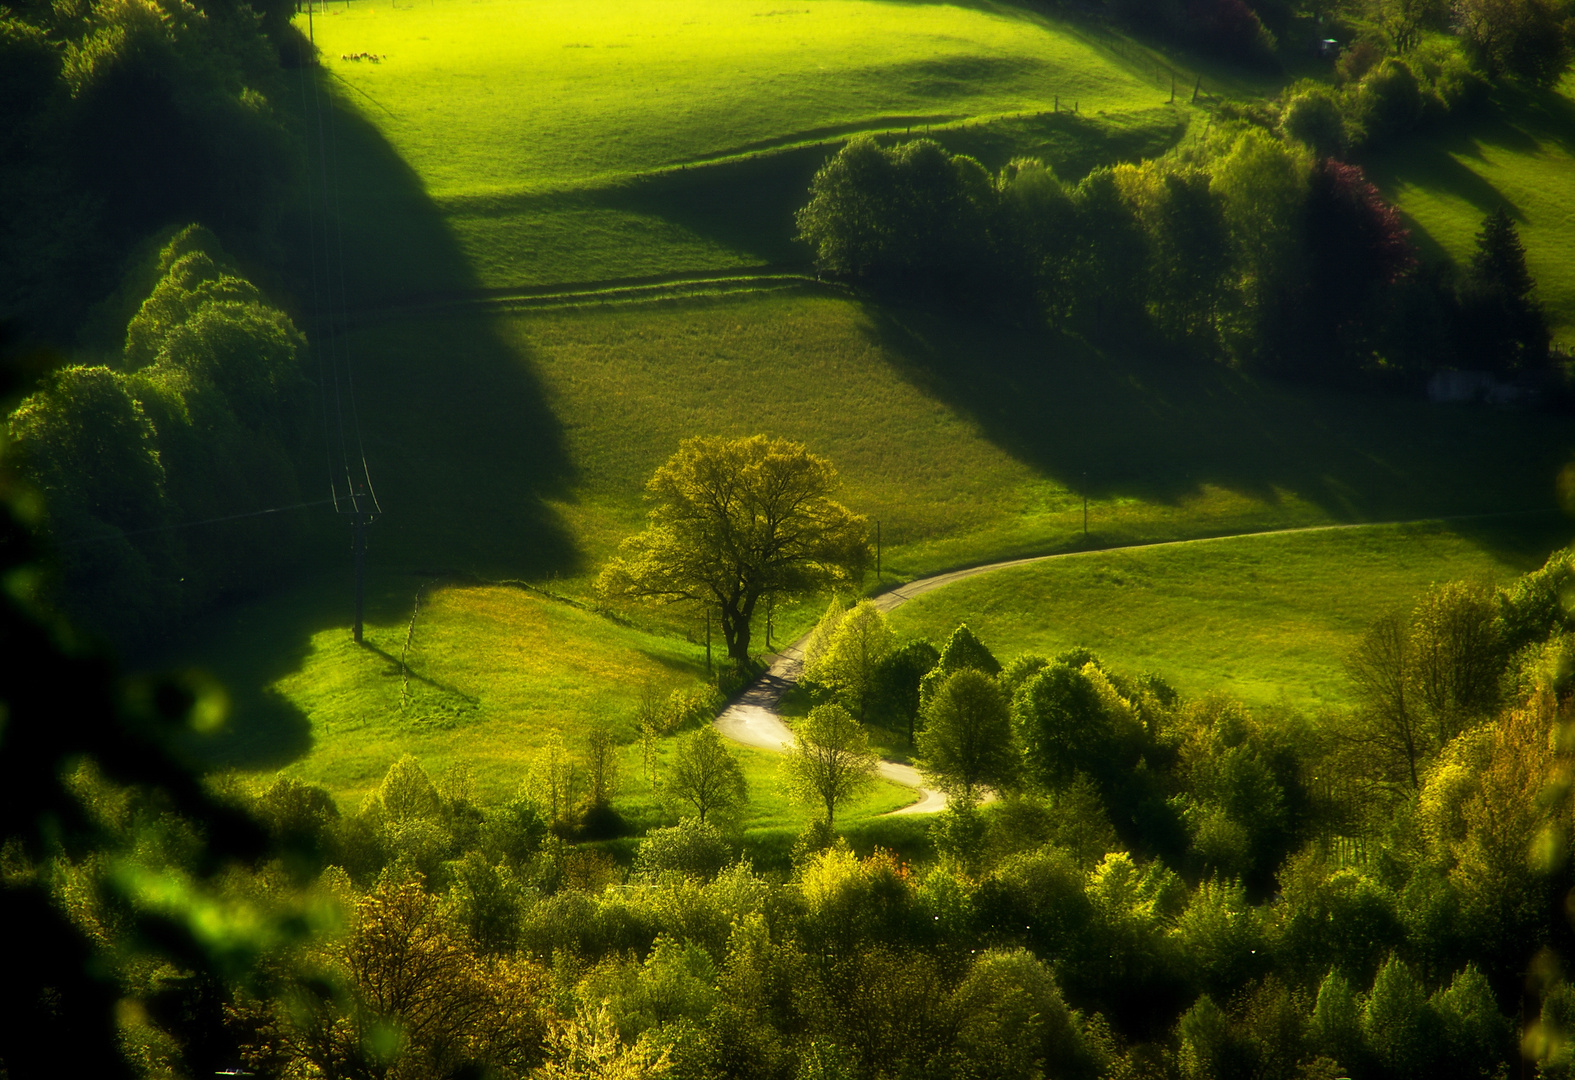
(752, 719)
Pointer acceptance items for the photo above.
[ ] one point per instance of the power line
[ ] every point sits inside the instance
(120, 534)
(344, 320)
(317, 299)
(333, 336)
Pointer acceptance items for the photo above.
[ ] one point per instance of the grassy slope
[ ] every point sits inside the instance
(1519, 151)
(547, 134)
(966, 442)
(493, 671)
(515, 446)
(1267, 619)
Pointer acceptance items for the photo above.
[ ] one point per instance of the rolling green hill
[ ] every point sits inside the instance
(562, 143)
(494, 146)
(1267, 619)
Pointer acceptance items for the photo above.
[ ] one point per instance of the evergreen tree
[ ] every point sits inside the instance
(1504, 329)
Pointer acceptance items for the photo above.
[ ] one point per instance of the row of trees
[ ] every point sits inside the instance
(1250, 248)
(200, 414)
(1524, 39)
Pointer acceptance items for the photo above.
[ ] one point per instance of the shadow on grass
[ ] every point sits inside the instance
(1162, 430)
(249, 647)
(398, 669)
(463, 450)
(1522, 543)
(748, 204)
(1517, 120)
(675, 664)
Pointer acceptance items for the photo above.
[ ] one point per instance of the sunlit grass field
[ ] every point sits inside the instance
(966, 443)
(501, 144)
(559, 142)
(1267, 619)
(490, 673)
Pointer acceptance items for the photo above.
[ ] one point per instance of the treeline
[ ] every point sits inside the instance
(119, 118)
(1249, 248)
(201, 412)
(1166, 887)
(1530, 40)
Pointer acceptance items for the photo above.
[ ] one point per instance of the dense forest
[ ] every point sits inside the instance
(1128, 882)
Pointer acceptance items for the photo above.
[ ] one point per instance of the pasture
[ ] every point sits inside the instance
(487, 673)
(1518, 152)
(606, 140)
(1266, 619)
(503, 144)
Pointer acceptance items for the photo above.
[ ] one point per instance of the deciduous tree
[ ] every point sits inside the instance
(704, 775)
(848, 663)
(967, 743)
(830, 759)
(734, 521)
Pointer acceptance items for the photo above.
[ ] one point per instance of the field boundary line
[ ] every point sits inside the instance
(581, 293)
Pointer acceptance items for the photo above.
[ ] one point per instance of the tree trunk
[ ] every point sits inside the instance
(735, 628)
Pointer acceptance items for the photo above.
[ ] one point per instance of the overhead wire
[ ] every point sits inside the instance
(332, 337)
(122, 533)
(344, 311)
(317, 297)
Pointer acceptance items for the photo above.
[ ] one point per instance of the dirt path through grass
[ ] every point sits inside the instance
(752, 719)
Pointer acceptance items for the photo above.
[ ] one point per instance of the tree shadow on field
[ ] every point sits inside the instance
(1522, 542)
(249, 647)
(462, 449)
(749, 203)
(1516, 120)
(1161, 429)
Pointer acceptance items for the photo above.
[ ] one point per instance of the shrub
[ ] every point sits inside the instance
(691, 848)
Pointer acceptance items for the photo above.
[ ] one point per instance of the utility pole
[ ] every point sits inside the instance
(360, 569)
(363, 506)
(312, 37)
(877, 552)
(1085, 504)
(708, 641)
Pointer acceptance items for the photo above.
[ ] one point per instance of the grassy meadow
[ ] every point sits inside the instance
(605, 140)
(484, 677)
(500, 145)
(1266, 619)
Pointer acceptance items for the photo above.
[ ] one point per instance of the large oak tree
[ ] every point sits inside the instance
(734, 521)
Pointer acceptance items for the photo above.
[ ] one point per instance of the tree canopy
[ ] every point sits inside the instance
(705, 775)
(967, 743)
(830, 759)
(734, 521)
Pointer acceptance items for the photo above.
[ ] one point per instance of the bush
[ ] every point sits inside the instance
(1313, 117)
(1388, 102)
(913, 217)
(691, 848)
